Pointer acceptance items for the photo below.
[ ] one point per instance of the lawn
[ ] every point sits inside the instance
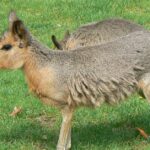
(37, 126)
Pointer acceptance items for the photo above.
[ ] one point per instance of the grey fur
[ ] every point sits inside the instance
(104, 73)
(96, 33)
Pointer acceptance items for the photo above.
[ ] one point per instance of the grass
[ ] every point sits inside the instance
(37, 127)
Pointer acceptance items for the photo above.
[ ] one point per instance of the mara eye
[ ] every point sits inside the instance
(6, 47)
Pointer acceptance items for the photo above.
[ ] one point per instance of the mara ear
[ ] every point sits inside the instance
(56, 43)
(12, 18)
(18, 30)
(67, 34)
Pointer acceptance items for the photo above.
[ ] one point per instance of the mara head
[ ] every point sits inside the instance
(61, 45)
(14, 43)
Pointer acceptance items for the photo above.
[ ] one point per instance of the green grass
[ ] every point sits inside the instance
(107, 127)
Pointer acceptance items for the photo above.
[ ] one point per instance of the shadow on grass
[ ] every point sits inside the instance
(104, 134)
(31, 132)
(98, 134)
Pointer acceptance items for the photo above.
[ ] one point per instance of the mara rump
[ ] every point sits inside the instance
(96, 33)
(87, 76)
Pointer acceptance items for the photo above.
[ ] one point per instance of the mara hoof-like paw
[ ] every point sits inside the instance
(68, 147)
(61, 148)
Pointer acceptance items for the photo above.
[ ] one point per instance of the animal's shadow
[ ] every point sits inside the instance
(99, 134)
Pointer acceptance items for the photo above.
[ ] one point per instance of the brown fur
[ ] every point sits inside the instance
(87, 76)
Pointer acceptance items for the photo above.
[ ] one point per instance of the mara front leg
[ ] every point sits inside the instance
(68, 146)
(64, 142)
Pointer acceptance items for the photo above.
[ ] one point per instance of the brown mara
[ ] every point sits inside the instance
(87, 76)
(96, 33)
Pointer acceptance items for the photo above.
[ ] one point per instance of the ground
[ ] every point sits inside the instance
(37, 126)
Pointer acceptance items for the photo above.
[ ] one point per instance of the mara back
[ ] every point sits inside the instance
(96, 33)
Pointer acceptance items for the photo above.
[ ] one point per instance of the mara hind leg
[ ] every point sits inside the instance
(144, 86)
